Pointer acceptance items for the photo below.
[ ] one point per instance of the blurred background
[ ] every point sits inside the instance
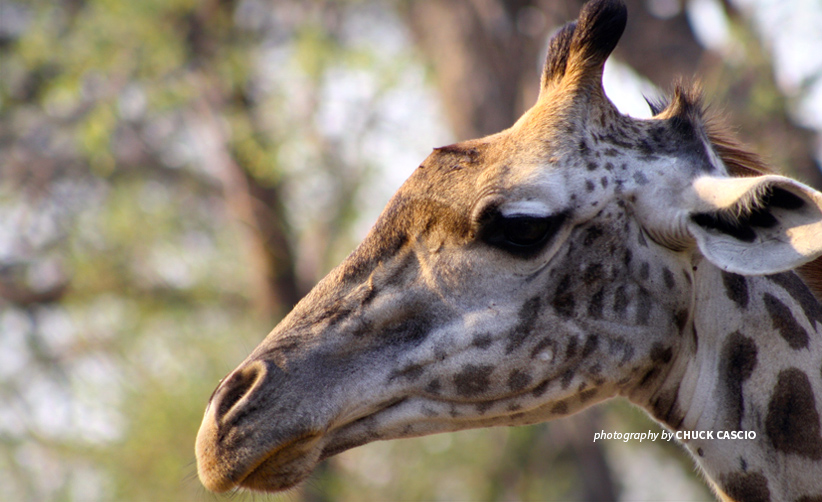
(176, 174)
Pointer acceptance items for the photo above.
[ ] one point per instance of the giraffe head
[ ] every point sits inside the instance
(512, 279)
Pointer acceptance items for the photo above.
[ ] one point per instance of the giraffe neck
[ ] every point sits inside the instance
(755, 366)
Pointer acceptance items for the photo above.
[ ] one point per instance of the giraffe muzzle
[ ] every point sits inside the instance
(234, 451)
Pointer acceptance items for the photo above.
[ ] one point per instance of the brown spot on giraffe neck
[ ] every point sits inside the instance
(621, 300)
(792, 423)
(591, 235)
(484, 407)
(640, 238)
(560, 408)
(746, 487)
(643, 307)
(595, 304)
(518, 380)
(540, 389)
(591, 343)
(668, 278)
(592, 274)
(800, 292)
(527, 317)
(412, 331)
(666, 408)
(620, 345)
(645, 271)
(681, 320)
(648, 377)
(784, 322)
(567, 377)
(739, 358)
(736, 287)
(411, 373)
(433, 387)
(473, 379)
(587, 395)
(640, 178)
(483, 341)
(563, 301)
(661, 354)
(583, 148)
(626, 259)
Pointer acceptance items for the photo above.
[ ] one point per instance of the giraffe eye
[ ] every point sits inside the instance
(523, 235)
(525, 230)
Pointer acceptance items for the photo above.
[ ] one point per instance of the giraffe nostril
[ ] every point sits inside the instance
(233, 388)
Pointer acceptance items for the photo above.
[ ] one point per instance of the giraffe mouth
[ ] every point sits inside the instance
(291, 462)
(284, 467)
(366, 422)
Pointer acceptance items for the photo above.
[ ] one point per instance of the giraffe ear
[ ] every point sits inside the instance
(757, 225)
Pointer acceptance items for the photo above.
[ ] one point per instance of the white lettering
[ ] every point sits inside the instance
(665, 435)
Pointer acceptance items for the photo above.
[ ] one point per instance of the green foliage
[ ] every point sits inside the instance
(131, 269)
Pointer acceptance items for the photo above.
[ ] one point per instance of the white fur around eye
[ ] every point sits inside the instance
(532, 208)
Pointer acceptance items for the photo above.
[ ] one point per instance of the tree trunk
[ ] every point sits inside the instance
(485, 57)
(259, 211)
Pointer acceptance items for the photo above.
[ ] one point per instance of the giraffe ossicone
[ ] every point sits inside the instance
(577, 256)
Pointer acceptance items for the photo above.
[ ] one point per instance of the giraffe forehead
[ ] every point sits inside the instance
(604, 150)
(537, 169)
(457, 178)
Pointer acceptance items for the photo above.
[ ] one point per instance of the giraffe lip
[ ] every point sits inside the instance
(336, 440)
(284, 467)
(292, 462)
(380, 408)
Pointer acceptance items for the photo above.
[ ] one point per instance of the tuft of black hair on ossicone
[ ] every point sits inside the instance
(557, 59)
(656, 104)
(599, 28)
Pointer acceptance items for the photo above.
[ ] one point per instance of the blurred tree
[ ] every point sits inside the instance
(147, 209)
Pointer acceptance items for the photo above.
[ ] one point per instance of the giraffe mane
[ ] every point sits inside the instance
(686, 103)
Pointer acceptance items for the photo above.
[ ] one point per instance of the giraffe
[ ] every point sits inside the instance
(577, 256)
